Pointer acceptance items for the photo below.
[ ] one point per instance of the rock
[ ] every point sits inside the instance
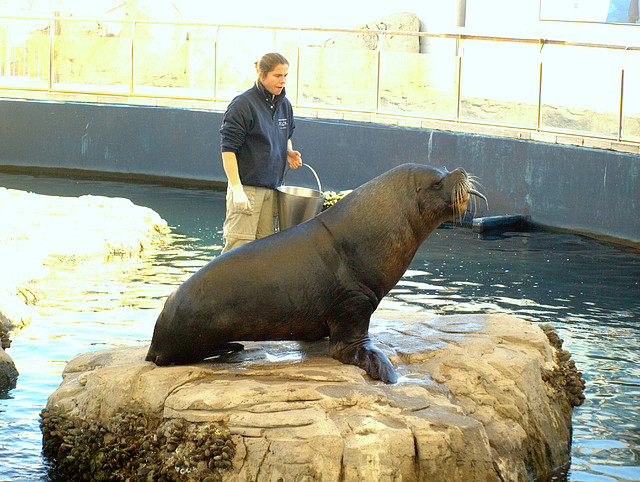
(37, 226)
(14, 309)
(40, 231)
(479, 397)
(8, 371)
(5, 340)
(397, 22)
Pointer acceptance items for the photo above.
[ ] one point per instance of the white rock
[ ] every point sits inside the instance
(38, 231)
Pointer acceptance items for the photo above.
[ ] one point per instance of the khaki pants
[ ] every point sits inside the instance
(241, 227)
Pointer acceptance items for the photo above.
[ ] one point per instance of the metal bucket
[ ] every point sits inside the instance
(298, 204)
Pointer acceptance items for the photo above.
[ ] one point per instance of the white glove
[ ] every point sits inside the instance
(240, 199)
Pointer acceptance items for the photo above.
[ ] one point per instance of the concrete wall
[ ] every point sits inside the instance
(114, 139)
(585, 190)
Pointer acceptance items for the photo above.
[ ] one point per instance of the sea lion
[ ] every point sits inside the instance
(324, 277)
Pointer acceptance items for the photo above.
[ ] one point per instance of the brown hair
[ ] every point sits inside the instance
(269, 62)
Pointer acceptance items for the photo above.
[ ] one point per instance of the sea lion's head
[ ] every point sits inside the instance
(445, 194)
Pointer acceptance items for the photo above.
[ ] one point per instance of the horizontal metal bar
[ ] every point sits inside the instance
(460, 35)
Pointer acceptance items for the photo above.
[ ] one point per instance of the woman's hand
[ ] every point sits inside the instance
(294, 158)
(240, 199)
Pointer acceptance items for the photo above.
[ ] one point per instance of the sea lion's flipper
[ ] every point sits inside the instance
(225, 349)
(155, 357)
(366, 356)
(349, 340)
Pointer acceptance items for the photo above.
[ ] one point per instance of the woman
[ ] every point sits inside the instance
(256, 143)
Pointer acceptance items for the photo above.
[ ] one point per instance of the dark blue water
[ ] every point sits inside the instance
(589, 291)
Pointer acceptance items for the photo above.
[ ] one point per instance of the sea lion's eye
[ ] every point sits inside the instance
(437, 185)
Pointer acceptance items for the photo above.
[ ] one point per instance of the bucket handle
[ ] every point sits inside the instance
(314, 173)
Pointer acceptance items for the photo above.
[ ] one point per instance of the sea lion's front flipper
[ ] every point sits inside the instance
(365, 355)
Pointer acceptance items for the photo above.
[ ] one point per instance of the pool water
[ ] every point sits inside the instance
(589, 291)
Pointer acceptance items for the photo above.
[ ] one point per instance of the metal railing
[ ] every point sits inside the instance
(539, 84)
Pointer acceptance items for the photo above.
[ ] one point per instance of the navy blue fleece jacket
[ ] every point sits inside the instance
(256, 128)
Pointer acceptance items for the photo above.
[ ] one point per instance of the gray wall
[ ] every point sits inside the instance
(585, 190)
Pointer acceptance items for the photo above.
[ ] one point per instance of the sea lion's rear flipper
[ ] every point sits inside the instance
(225, 349)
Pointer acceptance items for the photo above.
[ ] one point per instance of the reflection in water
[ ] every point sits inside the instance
(588, 291)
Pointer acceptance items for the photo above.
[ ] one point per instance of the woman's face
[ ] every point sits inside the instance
(274, 81)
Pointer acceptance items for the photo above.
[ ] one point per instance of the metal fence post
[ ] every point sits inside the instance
(621, 110)
(52, 26)
(298, 67)
(215, 65)
(539, 106)
(133, 67)
(379, 67)
(459, 52)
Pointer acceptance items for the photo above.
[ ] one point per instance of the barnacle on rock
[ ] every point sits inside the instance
(5, 339)
(134, 446)
(565, 378)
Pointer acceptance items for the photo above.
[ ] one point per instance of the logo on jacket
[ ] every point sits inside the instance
(282, 123)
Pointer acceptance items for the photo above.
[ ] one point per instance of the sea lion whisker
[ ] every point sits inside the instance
(473, 184)
(473, 181)
(458, 195)
(473, 206)
(480, 195)
(454, 199)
